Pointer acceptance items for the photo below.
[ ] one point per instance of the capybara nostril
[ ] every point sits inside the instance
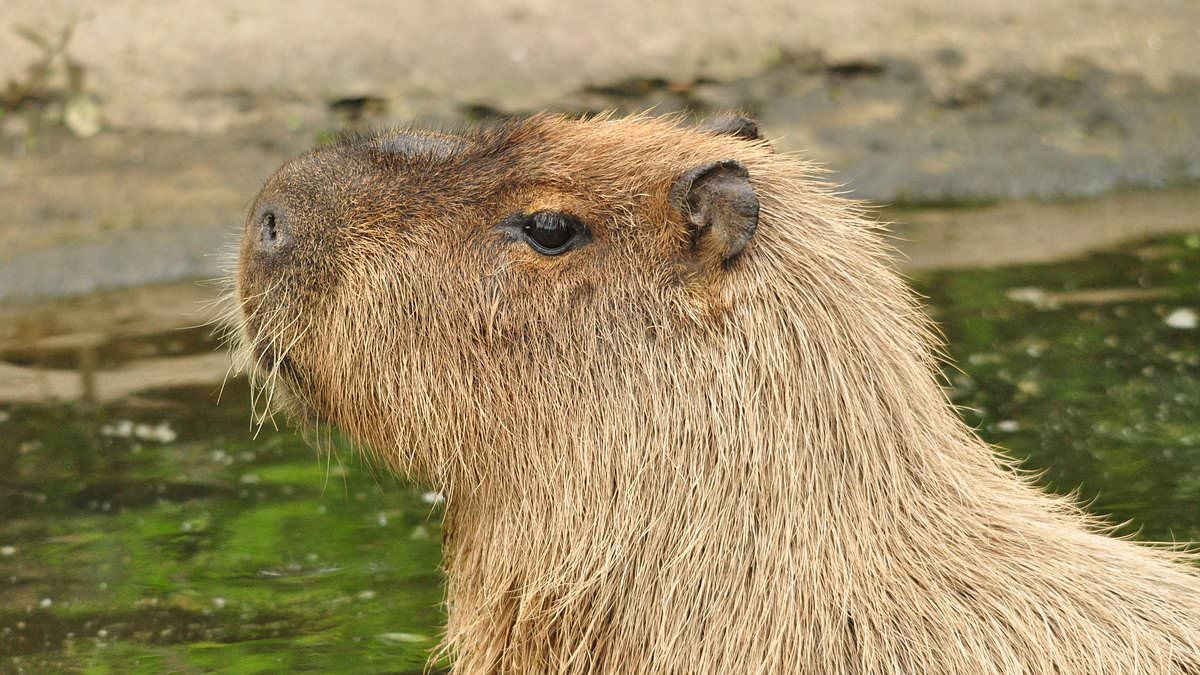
(269, 231)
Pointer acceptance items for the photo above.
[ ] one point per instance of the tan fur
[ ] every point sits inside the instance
(657, 463)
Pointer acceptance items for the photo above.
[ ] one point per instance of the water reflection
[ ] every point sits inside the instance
(149, 531)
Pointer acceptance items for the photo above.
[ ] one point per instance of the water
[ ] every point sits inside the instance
(152, 533)
(1089, 371)
(207, 551)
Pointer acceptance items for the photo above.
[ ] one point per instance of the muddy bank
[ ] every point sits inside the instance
(222, 64)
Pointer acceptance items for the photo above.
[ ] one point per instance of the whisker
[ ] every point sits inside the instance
(270, 385)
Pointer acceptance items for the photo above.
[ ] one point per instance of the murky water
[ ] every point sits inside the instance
(1090, 371)
(155, 534)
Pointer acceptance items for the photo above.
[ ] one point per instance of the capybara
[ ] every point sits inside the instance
(686, 416)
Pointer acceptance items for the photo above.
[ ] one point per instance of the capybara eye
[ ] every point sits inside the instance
(548, 232)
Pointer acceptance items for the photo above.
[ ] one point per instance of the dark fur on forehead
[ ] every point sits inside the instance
(738, 126)
(407, 142)
(429, 145)
(437, 144)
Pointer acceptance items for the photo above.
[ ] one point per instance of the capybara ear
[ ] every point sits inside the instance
(719, 204)
(735, 125)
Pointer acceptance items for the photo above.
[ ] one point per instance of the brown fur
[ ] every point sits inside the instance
(656, 462)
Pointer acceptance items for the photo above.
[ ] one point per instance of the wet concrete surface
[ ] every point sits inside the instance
(117, 261)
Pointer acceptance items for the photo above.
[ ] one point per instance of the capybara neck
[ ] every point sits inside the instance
(686, 416)
(794, 480)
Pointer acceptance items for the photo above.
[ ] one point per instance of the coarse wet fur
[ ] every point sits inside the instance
(673, 449)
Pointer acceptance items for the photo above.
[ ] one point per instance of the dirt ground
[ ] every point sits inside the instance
(214, 65)
(133, 136)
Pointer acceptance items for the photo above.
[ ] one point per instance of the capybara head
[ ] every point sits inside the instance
(436, 294)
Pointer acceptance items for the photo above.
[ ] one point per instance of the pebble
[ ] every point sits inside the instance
(1183, 319)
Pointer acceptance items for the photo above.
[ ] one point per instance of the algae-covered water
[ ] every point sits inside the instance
(157, 534)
